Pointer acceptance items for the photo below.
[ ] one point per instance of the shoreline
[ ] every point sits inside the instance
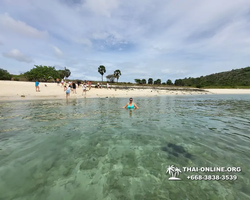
(14, 90)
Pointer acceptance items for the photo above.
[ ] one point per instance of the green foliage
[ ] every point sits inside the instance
(19, 77)
(102, 70)
(110, 78)
(61, 74)
(138, 81)
(157, 82)
(4, 74)
(232, 79)
(67, 72)
(44, 73)
(143, 81)
(169, 82)
(150, 81)
(117, 74)
(178, 82)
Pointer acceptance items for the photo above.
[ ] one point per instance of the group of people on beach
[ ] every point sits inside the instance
(71, 86)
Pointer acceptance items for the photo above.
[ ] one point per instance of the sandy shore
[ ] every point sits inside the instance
(17, 90)
(229, 91)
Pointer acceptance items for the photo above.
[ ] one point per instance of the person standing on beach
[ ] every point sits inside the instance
(78, 83)
(89, 85)
(107, 86)
(84, 88)
(37, 86)
(62, 82)
(65, 86)
(68, 92)
(70, 85)
(131, 105)
(58, 81)
(74, 87)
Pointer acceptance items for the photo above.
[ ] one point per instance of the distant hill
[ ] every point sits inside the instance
(233, 78)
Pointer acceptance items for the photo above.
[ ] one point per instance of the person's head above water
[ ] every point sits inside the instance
(130, 104)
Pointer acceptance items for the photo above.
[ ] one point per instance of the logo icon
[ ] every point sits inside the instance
(173, 172)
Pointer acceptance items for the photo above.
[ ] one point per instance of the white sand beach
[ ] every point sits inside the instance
(17, 90)
(229, 91)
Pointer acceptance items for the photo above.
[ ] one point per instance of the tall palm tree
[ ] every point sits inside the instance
(117, 74)
(102, 70)
(171, 170)
(177, 172)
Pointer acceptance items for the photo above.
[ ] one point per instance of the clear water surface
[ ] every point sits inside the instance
(92, 149)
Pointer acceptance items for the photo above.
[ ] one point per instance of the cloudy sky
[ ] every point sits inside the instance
(168, 39)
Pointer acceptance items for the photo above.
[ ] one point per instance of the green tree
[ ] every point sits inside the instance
(157, 82)
(138, 81)
(179, 82)
(61, 73)
(67, 72)
(169, 82)
(117, 74)
(150, 81)
(42, 73)
(143, 81)
(4, 75)
(110, 78)
(102, 70)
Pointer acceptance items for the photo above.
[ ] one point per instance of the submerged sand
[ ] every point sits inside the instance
(17, 90)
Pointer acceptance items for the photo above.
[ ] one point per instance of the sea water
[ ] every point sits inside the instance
(93, 149)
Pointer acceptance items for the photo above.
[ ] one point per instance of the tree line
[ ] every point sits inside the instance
(151, 82)
(233, 78)
(45, 73)
(39, 72)
(111, 77)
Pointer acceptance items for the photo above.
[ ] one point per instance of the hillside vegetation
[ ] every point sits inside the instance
(233, 78)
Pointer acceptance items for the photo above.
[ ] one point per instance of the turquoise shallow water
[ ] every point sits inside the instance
(93, 149)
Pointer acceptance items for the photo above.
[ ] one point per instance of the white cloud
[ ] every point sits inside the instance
(99, 35)
(101, 7)
(144, 38)
(84, 42)
(58, 52)
(7, 23)
(17, 55)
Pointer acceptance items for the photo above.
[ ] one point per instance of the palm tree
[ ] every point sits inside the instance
(177, 172)
(101, 70)
(117, 74)
(171, 170)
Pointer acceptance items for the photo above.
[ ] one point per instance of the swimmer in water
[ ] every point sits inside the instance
(131, 105)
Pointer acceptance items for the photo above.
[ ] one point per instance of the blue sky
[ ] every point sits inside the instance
(143, 38)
